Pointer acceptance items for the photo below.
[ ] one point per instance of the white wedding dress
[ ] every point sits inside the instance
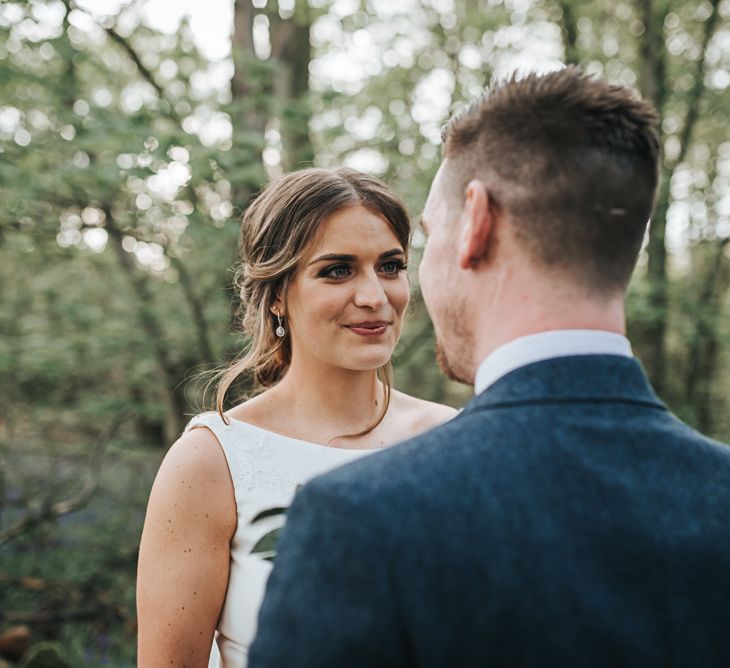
(266, 469)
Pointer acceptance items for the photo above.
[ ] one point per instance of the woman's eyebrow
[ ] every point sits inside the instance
(341, 257)
(333, 256)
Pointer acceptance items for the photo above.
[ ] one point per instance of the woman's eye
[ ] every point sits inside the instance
(338, 271)
(393, 267)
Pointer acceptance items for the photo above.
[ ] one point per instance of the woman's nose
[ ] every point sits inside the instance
(370, 293)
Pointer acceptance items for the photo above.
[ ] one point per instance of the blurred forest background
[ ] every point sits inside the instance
(127, 154)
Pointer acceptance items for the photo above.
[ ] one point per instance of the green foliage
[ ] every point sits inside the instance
(46, 655)
(124, 168)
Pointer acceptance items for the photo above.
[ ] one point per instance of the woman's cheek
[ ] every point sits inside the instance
(332, 309)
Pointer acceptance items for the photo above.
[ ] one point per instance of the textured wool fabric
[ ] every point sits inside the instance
(564, 518)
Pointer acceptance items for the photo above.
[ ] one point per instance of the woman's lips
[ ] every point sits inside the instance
(369, 328)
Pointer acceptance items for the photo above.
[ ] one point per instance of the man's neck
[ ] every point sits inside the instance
(539, 313)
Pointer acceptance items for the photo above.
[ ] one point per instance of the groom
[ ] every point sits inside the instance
(565, 517)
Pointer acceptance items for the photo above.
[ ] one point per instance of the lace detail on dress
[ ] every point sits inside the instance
(256, 467)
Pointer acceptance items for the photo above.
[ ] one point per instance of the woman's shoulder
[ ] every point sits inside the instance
(421, 414)
(196, 455)
(194, 481)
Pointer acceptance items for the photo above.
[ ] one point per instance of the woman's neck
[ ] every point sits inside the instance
(326, 402)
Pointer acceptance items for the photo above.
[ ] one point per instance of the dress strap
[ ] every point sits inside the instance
(229, 439)
(210, 419)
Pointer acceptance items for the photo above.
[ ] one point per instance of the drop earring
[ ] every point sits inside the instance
(280, 331)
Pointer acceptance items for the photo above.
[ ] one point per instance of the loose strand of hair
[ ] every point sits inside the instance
(263, 360)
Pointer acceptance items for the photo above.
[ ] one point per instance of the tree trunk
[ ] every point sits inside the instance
(249, 114)
(152, 328)
(654, 86)
(569, 30)
(292, 51)
(704, 346)
(652, 82)
(205, 350)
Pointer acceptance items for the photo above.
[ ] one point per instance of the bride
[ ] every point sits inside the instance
(324, 289)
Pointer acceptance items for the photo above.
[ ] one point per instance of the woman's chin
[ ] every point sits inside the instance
(369, 360)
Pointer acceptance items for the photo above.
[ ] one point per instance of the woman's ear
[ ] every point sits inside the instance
(477, 221)
(277, 308)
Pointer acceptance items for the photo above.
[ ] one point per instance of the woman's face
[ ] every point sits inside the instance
(345, 304)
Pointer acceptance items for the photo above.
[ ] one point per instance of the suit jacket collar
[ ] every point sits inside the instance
(544, 346)
(574, 379)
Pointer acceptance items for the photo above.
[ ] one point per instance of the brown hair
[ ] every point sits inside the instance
(572, 161)
(275, 232)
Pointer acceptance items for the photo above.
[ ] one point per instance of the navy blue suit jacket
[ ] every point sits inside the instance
(564, 518)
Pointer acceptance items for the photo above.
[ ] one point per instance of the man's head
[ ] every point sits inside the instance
(555, 173)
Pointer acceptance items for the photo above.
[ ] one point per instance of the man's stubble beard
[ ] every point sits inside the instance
(443, 362)
(454, 360)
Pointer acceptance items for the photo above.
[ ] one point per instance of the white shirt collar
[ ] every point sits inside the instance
(537, 347)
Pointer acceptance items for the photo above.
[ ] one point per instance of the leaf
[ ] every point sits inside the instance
(266, 545)
(269, 512)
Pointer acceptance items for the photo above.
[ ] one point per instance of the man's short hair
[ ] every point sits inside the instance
(572, 161)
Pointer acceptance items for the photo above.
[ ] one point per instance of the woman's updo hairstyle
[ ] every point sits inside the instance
(276, 230)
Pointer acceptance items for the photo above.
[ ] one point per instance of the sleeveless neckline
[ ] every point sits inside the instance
(312, 444)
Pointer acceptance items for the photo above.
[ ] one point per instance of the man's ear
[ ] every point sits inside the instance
(477, 221)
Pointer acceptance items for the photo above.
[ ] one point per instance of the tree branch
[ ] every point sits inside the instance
(50, 511)
(64, 614)
(132, 53)
(698, 87)
(205, 349)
